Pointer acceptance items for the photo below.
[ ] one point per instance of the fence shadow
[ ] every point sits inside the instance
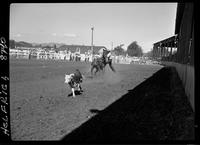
(147, 112)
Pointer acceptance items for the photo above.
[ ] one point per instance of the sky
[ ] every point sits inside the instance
(114, 23)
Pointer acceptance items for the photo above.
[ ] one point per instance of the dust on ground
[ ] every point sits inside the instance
(111, 77)
(39, 102)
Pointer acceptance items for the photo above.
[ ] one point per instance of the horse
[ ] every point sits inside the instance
(100, 63)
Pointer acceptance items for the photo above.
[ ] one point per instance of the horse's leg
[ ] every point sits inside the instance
(103, 69)
(112, 68)
(97, 69)
(92, 70)
(104, 66)
(100, 68)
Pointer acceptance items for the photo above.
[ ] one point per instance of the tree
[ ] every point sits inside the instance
(119, 50)
(149, 53)
(134, 49)
(55, 48)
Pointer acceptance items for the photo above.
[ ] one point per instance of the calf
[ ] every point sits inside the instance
(74, 81)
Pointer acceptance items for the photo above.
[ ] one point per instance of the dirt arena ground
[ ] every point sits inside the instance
(40, 106)
(156, 109)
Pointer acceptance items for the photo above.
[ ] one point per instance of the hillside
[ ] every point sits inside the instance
(59, 46)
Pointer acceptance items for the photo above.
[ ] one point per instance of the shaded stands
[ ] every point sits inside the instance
(178, 50)
(166, 49)
(180, 47)
(185, 30)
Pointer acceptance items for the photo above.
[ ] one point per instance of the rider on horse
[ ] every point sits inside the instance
(104, 59)
(105, 54)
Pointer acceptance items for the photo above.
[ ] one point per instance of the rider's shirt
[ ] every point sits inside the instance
(101, 52)
(109, 54)
(105, 54)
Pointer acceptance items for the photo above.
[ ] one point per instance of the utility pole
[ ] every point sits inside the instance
(92, 42)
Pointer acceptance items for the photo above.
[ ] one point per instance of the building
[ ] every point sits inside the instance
(181, 45)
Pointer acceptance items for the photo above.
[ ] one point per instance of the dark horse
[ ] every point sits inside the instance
(100, 63)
